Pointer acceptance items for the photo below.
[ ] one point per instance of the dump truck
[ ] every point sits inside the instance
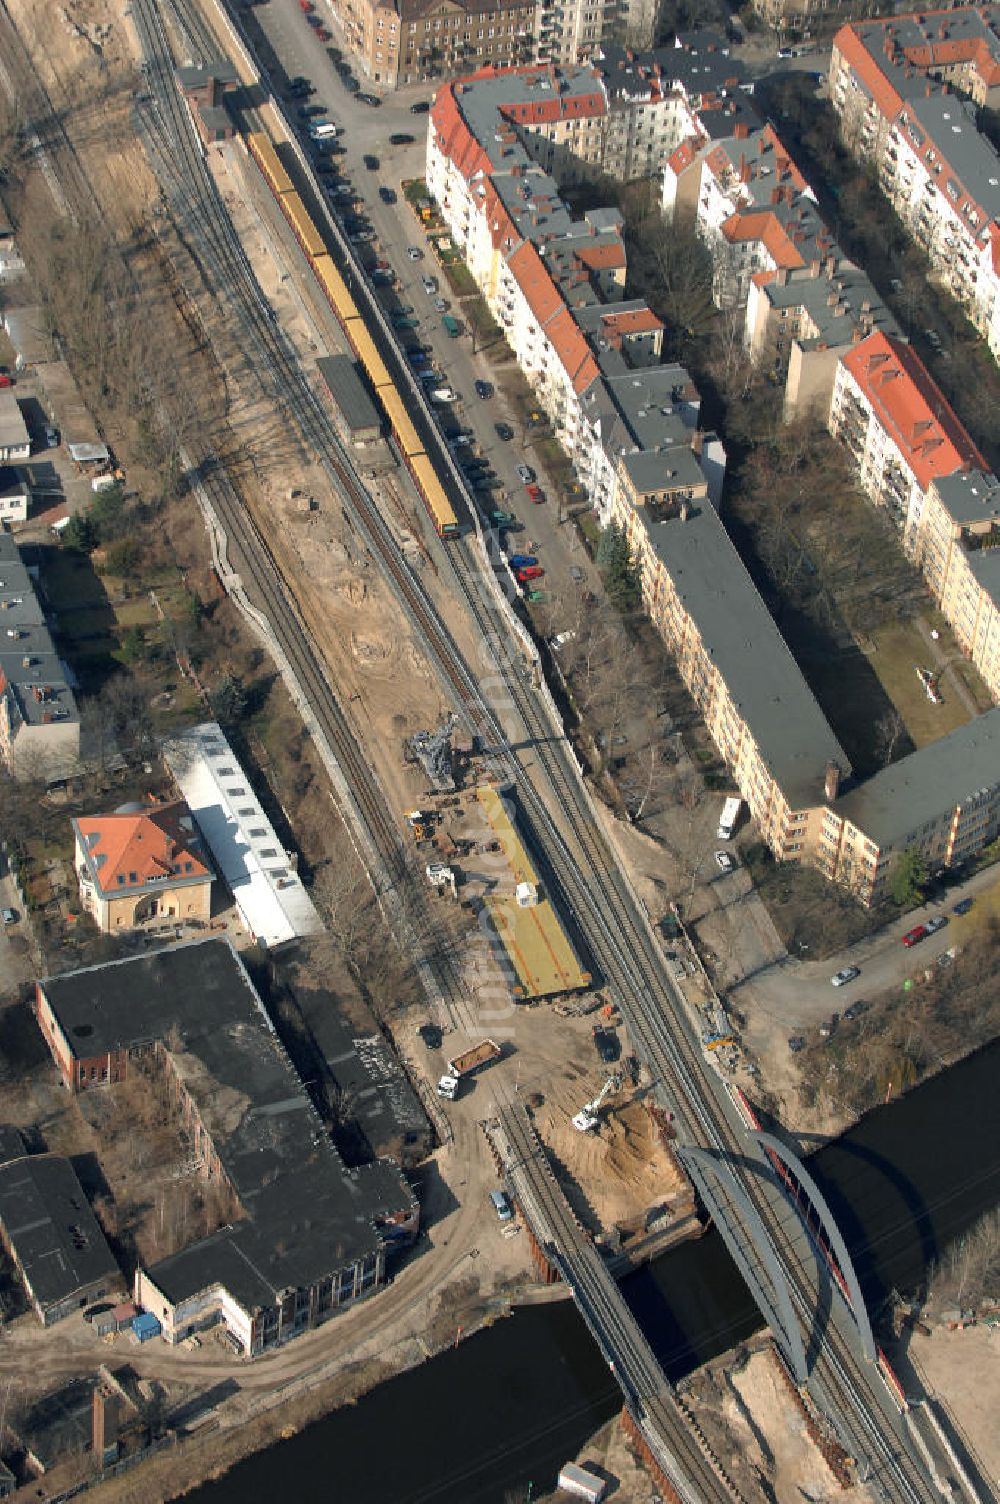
(466, 1064)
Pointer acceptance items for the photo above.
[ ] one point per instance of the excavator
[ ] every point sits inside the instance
(588, 1118)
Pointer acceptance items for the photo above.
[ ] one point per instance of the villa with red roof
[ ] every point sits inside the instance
(141, 864)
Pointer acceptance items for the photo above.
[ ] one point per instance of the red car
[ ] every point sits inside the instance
(6, 381)
(530, 572)
(322, 33)
(306, 5)
(914, 936)
(536, 494)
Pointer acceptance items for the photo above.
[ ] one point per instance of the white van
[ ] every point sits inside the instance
(502, 1206)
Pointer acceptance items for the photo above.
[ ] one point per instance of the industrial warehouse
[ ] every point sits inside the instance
(311, 1235)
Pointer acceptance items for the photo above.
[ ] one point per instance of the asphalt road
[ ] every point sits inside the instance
(290, 48)
(799, 994)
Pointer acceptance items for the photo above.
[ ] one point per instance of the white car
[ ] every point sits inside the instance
(430, 285)
(442, 394)
(845, 975)
(415, 253)
(724, 862)
(525, 474)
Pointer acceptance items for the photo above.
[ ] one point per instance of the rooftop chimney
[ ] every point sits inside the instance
(831, 782)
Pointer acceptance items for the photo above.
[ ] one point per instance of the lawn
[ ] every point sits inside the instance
(899, 649)
(460, 278)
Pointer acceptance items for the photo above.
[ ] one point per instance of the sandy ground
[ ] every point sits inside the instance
(759, 1433)
(960, 1371)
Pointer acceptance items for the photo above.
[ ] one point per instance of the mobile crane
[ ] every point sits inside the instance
(587, 1119)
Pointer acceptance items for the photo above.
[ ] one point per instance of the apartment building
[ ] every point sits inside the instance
(554, 284)
(904, 90)
(39, 721)
(943, 801)
(758, 708)
(800, 323)
(955, 542)
(414, 40)
(893, 420)
(749, 203)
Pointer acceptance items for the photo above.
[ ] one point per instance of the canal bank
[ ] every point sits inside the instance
(508, 1406)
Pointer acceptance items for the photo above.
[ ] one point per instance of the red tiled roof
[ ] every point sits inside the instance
(633, 321)
(911, 408)
(574, 353)
(130, 850)
(599, 256)
(761, 225)
(854, 52)
(532, 276)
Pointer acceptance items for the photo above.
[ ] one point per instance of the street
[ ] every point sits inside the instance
(288, 47)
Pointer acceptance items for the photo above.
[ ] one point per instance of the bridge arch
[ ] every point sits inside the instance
(775, 1149)
(776, 1304)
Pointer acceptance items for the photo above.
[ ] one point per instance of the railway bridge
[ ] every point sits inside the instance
(665, 1431)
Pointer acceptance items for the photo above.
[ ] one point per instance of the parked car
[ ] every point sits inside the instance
(503, 431)
(387, 195)
(370, 99)
(913, 937)
(935, 923)
(521, 561)
(441, 305)
(6, 380)
(51, 436)
(420, 108)
(525, 474)
(725, 862)
(371, 162)
(431, 1036)
(443, 394)
(844, 975)
(351, 84)
(503, 519)
(414, 253)
(9, 916)
(795, 1044)
(536, 493)
(429, 285)
(400, 138)
(533, 572)
(963, 906)
(502, 1206)
(855, 1011)
(484, 390)
(459, 441)
(310, 111)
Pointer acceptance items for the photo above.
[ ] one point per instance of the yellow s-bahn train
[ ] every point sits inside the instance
(358, 334)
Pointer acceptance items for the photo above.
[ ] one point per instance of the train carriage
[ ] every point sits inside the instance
(306, 232)
(401, 423)
(364, 348)
(335, 288)
(440, 508)
(262, 150)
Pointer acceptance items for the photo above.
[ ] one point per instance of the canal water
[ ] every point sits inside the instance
(509, 1406)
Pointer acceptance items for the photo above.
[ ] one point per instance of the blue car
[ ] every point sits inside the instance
(963, 906)
(417, 358)
(521, 561)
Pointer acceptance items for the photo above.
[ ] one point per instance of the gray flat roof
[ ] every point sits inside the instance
(667, 469)
(35, 676)
(969, 495)
(13, 430)
(307, 1214)
(929, 783)
(341, 375)
(55, 1235)
(740, 637)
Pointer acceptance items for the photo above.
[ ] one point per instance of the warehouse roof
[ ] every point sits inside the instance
(346, 388)
(55, 1236)
(13, 430)
(268, 891)
(306, 1213)
(531, 937)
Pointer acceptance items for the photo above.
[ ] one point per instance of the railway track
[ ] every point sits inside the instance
(592, 885)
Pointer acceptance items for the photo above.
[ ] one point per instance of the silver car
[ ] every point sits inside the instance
(845, 975)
